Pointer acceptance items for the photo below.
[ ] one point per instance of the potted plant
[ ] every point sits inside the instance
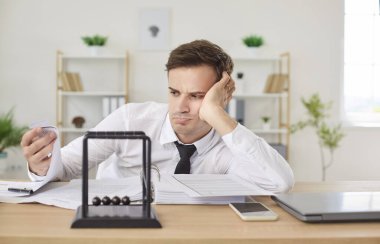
(94, 42)
(328, 136)
(266, 122)
(10, 134)
(253, 42)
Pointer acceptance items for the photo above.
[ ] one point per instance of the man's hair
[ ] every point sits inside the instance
(198, 53)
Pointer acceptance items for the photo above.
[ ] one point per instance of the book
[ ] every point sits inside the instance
(106, 106)
(276, 83)
(76, 82)
(269, 84)
(66, 84)
(71, 82)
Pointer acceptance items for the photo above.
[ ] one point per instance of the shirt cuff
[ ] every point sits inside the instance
(33, 176)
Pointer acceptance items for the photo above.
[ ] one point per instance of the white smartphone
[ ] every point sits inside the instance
(253, 211)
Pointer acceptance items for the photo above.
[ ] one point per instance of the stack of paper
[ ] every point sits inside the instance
(69, 195)
(170, 189)
(204, 189)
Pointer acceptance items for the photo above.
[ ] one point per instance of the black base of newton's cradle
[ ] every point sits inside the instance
(132, 216)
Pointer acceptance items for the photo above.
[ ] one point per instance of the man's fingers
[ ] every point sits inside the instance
(38, 145)
(42, 142)
(225, 77)
(44, 153)
(28, 137)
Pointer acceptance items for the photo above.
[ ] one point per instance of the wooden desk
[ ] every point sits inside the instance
(36, 223)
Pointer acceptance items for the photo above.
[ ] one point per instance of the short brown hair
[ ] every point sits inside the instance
(200, 52)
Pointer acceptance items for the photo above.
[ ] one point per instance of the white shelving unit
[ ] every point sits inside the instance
(251, 103)
(102, 77)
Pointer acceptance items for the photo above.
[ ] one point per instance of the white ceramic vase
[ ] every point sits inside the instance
(96, 50)
(254, 51)
(266, 126)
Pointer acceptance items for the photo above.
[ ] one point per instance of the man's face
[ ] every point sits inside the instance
(187, 88)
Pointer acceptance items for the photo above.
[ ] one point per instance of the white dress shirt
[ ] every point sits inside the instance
(240, 152)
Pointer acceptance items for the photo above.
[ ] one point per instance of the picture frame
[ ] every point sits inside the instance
(154, 29)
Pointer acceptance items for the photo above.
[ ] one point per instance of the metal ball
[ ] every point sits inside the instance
(115, 200)
(96, 201)
(106, 200)
(125, 200)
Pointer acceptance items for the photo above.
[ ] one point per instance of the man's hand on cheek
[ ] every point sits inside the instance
(217, 98)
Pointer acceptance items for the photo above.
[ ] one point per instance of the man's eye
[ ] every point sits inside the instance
(197, 96)
(174, 93)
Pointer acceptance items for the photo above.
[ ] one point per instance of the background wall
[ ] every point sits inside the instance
(312, 31)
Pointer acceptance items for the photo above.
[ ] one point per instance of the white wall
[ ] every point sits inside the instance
(312, 30)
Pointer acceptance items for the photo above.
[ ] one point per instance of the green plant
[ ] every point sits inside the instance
(10, 134)
(95, 40)
(328, 136)
(265, 119)
(253, 41)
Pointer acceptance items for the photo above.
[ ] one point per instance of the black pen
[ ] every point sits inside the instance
(23, 190)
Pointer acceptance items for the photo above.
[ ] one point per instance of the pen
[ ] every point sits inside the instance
(23, 190)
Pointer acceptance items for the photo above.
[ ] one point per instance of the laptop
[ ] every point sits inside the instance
(331, 206)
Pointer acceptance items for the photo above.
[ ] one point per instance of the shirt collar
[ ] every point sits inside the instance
(168, 136)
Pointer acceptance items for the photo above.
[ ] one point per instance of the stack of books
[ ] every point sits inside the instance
(71, 82)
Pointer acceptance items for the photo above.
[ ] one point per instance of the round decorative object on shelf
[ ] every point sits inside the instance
(78, 121)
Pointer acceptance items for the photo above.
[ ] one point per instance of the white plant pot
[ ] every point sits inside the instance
(253, 51)
(96, 50)
(266, 126)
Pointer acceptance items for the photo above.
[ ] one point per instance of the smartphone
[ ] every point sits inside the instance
(253, 211)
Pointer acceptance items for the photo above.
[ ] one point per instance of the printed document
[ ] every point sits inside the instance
(50, 176)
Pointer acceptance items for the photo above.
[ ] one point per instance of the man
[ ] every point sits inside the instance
(192, 134)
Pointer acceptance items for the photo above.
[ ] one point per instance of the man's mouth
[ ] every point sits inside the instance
(181, 119)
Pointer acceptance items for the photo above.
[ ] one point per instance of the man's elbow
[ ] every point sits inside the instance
(286, 185)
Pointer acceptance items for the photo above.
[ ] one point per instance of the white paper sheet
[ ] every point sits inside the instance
(51, 174)
(213, 185)
(69, 195)
(171, 189)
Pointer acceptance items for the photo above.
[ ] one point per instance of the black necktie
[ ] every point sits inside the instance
(185, 152)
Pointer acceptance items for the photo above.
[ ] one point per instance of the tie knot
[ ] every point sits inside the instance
(185, 151)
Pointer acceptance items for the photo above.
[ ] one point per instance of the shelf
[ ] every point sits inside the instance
(92, 93)
(264, 58)
(270, 131)
(121, 57)
(105, 78)
(263, 95)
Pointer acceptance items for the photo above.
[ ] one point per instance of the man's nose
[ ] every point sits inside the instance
(183, 104)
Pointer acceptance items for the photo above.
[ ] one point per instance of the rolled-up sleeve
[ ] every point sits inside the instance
(256, 161)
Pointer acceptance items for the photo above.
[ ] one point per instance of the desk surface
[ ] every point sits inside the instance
(36, 223)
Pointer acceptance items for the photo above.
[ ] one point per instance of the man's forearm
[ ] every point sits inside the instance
(220, 120)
